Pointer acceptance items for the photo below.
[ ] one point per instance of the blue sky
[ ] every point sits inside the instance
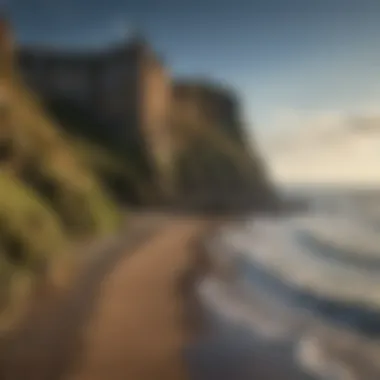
(284, 57)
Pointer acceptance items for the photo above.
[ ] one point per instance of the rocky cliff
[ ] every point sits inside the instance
(216, 167)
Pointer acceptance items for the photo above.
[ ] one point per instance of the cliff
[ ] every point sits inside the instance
(216, 167)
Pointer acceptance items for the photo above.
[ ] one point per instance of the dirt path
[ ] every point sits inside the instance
(139, 323)
(130, 299)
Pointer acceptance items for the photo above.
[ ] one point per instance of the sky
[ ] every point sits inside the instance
(296, 64)
(345, 151)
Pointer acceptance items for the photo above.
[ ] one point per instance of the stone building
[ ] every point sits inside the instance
(129, 89)
(126, 87)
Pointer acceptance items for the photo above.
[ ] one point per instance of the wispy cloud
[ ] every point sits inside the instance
(335, 147)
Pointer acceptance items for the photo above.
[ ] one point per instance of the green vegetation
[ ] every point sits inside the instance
(29, 230)
(50, 194)
(30, 236)
(53, 167)
(117, 172)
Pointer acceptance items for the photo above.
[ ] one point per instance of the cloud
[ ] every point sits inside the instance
(332, 147)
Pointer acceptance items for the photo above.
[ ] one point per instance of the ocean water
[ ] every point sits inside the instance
(328, 199)
(258, 317)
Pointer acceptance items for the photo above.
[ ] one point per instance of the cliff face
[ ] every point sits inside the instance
(216, 167)
(206, 103)
(209, 178)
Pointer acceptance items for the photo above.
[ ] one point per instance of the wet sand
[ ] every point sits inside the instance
(242, 342)
(231, 353)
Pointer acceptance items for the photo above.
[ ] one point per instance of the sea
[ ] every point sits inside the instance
(255, 333)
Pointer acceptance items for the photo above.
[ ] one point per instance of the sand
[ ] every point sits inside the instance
(125, 317)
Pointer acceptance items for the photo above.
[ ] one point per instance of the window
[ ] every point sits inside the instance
(116, 75)
(71, 82)
(6, 150)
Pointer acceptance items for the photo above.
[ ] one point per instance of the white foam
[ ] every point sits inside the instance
(272, 246)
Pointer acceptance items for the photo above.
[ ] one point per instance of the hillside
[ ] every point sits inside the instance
(50, 195)
(123, 172)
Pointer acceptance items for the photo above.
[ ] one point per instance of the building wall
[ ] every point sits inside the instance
(118, 87)
(103, 83)
(69, 81)
(132, 92)
(52, 77)
(131, 89)
(6, 49)
(155, 101)
(128, 88)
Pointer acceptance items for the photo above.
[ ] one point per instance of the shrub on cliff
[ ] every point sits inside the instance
(30, 235)
(44, 160)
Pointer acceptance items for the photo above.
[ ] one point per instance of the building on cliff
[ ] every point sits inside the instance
(126, 87)
(129, 89)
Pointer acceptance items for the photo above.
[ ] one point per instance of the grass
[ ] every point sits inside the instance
(39, 139)
(31, 235)
(50, 196)
(24, 215)
(103, 162)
